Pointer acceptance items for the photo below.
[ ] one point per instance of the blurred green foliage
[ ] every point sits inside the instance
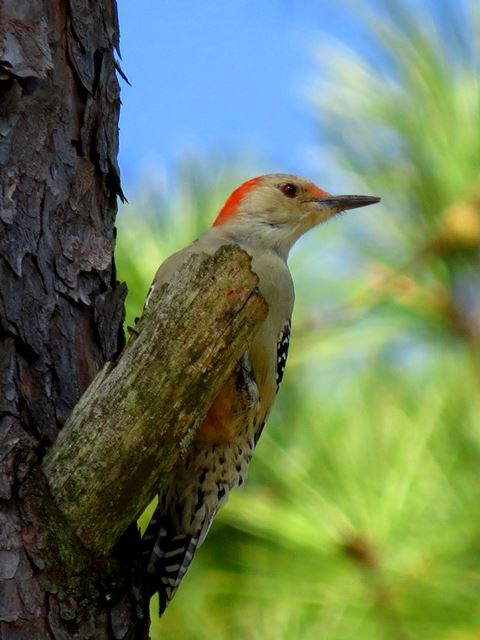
(361, 516)
(405, 121)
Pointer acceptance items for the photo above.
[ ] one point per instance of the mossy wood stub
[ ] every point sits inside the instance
(140, 413)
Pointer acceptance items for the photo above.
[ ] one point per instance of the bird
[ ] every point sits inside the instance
(264, 216)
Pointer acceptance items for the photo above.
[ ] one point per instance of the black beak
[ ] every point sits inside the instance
(340, 203)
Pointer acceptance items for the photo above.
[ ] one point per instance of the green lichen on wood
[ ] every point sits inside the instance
(85, 577)
(138, 416)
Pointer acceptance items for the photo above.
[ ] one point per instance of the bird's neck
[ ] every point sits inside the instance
(262, 236)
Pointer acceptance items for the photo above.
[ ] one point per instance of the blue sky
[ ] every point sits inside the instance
(221, 76)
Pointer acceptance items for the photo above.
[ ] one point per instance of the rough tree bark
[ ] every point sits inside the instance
(67, 556)
(61, 309)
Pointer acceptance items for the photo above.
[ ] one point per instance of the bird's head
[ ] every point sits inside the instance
(279, 208)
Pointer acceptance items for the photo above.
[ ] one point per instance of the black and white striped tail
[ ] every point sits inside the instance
(168, 556)
(198, 486)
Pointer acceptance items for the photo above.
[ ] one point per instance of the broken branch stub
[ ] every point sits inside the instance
(140, 414)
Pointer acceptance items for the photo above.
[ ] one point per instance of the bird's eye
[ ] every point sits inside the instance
(288, 189)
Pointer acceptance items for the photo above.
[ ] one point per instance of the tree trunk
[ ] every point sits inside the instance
(68, 558)
(61, 308)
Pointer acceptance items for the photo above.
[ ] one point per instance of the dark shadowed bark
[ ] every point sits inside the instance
(61, 309)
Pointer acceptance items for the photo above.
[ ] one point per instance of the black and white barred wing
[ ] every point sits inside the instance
(282, 352)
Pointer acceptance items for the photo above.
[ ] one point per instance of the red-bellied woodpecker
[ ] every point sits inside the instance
(264, 216)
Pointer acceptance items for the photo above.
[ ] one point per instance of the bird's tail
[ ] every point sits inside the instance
(167, 557)
(187, 504)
